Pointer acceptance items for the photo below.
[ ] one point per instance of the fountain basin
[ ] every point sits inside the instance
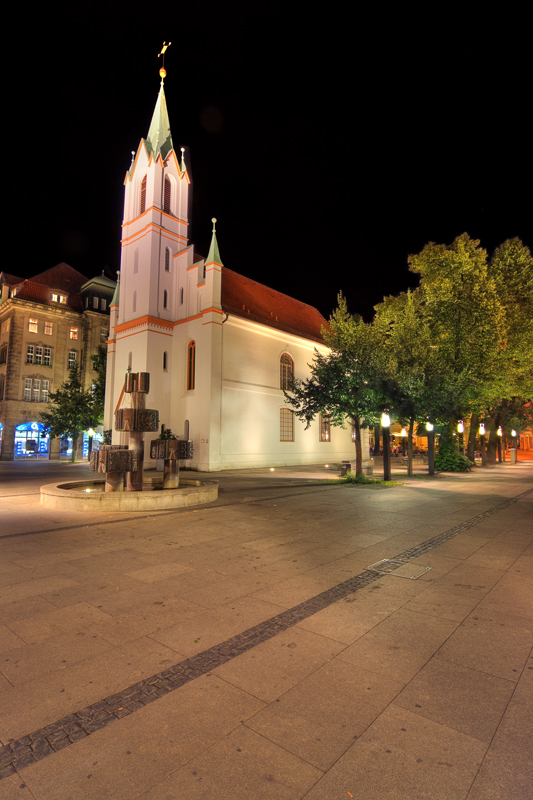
(89, 496)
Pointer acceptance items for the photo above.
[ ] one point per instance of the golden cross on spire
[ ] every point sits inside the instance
(165, 47)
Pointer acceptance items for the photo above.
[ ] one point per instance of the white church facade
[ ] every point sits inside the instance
(219, 347)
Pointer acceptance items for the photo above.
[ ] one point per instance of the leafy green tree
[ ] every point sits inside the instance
(99, 360)
(342, 383)
(72, 410)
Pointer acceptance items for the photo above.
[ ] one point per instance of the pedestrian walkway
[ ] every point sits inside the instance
(295, 640)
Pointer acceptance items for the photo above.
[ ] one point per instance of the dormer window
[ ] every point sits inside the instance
(58, 298)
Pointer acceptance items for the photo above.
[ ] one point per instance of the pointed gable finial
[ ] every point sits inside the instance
(163, 71)
(182, 165)
(214, 253)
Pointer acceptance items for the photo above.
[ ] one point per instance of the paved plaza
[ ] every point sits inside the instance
(293, 640)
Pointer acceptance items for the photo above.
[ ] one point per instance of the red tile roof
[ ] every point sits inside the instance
(251, 300)
(10, 280)
(62, 278)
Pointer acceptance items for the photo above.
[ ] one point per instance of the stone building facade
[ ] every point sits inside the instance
(47, 323)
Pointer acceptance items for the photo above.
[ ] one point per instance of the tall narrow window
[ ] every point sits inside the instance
(167, 259)
(143, 195)
(181, 296)
(191, 364)
(167, 195)
(165, 299)
(286, 425)
(27, 389)
(30, 354)
(3, 353)
(95, 303)
(103, 334)
(72, 359)
(2, 386)
(325, 430)
(33, 325)
(49, 328)
(47, 356)
(134, 308)
(36, 390)
(73, 333)
(45, 392)
(38, 355)
(103, 304)
(286, 371)
(165, 361)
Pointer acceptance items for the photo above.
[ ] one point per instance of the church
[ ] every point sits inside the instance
(220, 348)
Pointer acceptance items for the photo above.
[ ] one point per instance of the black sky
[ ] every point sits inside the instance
(329, 146)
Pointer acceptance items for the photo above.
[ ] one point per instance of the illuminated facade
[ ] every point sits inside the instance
(47, 324)
(219, 347)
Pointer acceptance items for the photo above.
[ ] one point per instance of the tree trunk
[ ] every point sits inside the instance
(474, 425)
(75, 437)
(358, 449)
(377, 431)
(410, 448)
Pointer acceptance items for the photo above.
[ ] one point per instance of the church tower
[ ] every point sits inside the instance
(155, 223)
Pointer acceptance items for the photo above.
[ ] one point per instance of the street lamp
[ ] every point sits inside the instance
(500, 434)
(431, 449)
(90, 434)
(385, 424)
(482, 440)
(460, 431)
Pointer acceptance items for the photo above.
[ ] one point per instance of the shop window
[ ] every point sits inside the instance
(286, 425)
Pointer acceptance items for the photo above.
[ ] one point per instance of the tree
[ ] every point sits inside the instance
(72, 410)
(99, 360)
(342, 383)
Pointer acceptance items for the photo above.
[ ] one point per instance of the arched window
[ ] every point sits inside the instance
(286, 371)
(191, 365)
(143, 195)
(167, 259)
(286, 425)
(165, 299)
(168, 191)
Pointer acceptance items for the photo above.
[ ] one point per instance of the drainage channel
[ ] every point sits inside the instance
(33, 747)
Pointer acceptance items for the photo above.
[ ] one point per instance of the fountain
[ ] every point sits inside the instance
(125, 487)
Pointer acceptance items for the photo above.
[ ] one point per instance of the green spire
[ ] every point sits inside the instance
(115, 300)
(214, 254)
(159, 139)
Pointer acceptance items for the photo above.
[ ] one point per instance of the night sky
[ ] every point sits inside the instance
(328, 145)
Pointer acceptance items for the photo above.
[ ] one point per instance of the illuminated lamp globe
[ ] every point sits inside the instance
(163, 72)
(460, 427)
(429, 426)
(482, 429)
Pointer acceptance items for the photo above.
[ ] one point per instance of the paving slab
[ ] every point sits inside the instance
(241, 647)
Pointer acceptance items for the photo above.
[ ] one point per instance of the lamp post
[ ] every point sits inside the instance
(460, 431)
(90, 434)
(385, 424)
(482, 440)
(431, 448)
(500, 434)
(513, 448)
